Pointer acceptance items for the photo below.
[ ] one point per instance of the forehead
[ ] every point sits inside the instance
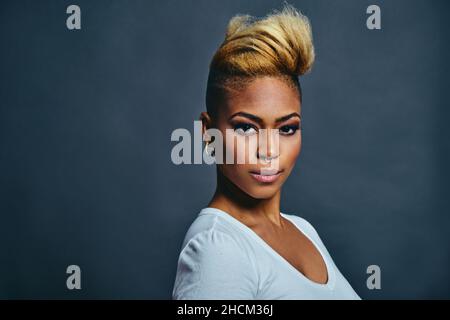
(266, 97)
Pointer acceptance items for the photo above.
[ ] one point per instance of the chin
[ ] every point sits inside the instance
(263, 194)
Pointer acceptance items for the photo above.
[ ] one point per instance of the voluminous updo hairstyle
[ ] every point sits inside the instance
(278, 45)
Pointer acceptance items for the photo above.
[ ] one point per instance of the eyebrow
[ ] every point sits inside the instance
(259, 120)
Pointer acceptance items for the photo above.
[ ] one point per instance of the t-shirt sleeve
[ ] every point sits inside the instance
(213, 265)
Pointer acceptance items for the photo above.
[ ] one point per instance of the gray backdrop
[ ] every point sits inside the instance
(86, 116)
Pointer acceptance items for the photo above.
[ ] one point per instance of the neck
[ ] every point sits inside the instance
(228, 197)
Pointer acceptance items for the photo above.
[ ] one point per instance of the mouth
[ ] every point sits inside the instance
(266, 175)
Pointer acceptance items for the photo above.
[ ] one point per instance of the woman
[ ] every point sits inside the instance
(241, 246)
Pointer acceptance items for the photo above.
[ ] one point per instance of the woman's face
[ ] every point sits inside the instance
(265, 103)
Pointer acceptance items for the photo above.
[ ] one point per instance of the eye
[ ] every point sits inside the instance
(289, 130)
(245, 129)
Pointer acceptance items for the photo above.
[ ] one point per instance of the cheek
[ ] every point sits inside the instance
(291, 149)
(242, 148)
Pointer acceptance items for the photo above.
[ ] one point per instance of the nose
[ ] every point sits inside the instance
(268, 144)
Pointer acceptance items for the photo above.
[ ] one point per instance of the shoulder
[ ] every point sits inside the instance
(211, 243)
(213, 263)
(211, 230)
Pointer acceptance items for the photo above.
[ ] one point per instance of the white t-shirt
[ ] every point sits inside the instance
(222, 258)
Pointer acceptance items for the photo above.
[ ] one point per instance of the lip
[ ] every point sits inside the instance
(267, 177)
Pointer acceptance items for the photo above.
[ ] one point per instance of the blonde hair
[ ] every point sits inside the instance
(278, 45)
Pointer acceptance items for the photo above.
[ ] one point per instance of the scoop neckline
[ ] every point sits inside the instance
(330, 270)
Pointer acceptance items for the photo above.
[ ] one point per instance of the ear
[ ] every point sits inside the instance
(206, 123)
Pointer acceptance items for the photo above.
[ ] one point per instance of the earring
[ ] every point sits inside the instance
(213, 153)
